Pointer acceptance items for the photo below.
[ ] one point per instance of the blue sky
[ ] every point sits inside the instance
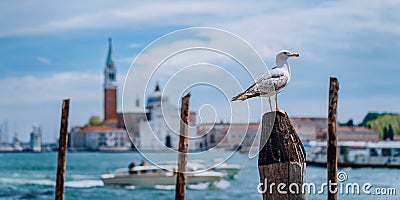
(49, 51)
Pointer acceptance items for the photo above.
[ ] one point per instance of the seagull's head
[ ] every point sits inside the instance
(284, 55)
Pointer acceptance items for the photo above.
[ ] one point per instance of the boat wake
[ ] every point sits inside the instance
(23, 181)
(131, 187)
(48, 182)
(164, 187)
(222, 184)
(199, 186)
(84, 183)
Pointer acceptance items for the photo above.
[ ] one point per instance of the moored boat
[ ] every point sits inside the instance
(358, 154)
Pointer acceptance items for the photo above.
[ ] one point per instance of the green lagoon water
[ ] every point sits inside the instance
(32, 176)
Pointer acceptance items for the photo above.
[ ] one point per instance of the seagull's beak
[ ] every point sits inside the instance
(295, 55)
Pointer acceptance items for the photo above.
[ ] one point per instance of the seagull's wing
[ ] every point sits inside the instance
(252, 91)
(264, 76)
(269, 86)
(246, 94)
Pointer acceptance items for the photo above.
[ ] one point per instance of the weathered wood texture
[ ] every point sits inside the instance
(62, 151)
(332, 140)
(183, 149)
(282, 159)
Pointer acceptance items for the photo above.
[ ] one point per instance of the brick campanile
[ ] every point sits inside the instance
(110, 86)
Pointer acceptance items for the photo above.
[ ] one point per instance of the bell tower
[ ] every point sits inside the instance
(110, 86)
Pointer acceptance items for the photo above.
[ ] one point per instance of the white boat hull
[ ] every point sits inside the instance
(230, 170)
(151, 179)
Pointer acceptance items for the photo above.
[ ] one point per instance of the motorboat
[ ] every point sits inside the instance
(147, 176)
(230, 170)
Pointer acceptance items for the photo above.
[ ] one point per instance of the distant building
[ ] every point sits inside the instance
(396, 138)
(110, 89)
(352, 133)
(99, 138)
(130, 122)
(17, 144)
(161, 127)
(36, 139)
(309, 128)
(251, 132)
(212, 135)
(226, 135)
(244, 134)
(316, 129)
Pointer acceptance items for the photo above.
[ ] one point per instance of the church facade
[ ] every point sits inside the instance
(160, 130)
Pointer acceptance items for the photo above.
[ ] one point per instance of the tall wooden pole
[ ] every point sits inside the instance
(62, 151)
(183, 149)
(332, 139)
(282, 160)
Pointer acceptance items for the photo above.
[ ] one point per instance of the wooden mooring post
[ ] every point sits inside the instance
(183, 149)
(62, 151)
(281, 161)
(332, 160)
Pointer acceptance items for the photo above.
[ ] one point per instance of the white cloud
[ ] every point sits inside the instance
(34, 89)
(258, 18)
(135, 45)
(43, 60)
(329, 28)
(107, 15)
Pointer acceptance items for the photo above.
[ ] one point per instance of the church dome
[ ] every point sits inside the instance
(156, 98)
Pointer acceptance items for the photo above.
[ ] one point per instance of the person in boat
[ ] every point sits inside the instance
(143, 163)
(131, 166)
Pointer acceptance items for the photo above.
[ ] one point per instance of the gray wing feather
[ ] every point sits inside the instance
(269, 86)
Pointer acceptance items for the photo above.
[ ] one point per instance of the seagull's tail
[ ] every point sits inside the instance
(240, 96)
(243, 96)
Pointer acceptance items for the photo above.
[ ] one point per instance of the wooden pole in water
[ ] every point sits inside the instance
(183, 149)
(62, 151)
(281, 161)
(332, 140)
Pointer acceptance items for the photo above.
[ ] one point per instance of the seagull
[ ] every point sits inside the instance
(272, 82)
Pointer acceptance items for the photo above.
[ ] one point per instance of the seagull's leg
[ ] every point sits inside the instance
(276, 102)
(270, 104)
